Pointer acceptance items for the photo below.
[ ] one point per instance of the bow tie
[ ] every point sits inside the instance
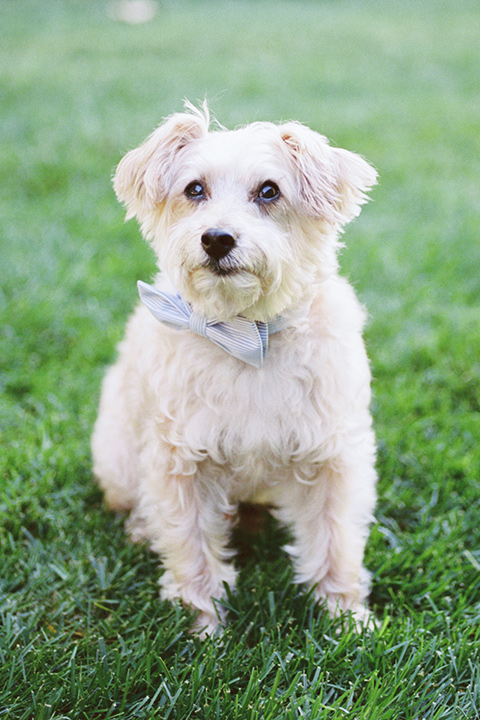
(245, 339)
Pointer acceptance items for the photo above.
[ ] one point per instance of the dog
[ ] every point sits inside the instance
(243, 375)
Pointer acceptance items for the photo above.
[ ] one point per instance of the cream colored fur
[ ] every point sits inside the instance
(185, 431)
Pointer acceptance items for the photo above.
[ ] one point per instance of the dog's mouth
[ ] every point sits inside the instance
(222, 268)
(222, 272)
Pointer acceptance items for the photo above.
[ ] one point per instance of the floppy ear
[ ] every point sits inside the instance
(333, 182)
(354, 178)
(142, 178)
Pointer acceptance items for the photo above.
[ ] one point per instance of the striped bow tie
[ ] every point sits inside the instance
(245, 339)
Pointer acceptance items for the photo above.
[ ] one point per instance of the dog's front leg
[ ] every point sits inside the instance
(329, 519)
(189, 528)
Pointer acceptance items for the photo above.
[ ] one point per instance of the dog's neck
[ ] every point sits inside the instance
(245, 339)
(287, 318)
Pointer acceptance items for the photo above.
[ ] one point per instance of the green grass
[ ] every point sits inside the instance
(83, 633)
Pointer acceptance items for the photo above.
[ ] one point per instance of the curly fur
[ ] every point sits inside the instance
(186, 432)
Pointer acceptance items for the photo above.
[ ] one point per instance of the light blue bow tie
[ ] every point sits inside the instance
(245, 339)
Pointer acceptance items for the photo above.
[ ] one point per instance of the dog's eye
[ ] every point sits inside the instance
(268, 192)
(195, 190)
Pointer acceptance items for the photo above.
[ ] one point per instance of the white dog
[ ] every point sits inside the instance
(246, 379)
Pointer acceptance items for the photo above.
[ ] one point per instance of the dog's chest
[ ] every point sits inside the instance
(254, 419)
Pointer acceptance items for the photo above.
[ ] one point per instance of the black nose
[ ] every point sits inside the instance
(217, 243)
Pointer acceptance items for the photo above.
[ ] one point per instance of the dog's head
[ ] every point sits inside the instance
(243, 221)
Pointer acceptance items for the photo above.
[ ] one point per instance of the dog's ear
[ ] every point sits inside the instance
(143, 176)
(333, 182)
(354, 178)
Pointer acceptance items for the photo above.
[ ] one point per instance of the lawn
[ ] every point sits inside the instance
(83, 633)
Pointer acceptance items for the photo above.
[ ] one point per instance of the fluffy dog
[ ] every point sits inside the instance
(243, 376)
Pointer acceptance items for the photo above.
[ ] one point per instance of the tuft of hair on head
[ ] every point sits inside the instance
(202, 111)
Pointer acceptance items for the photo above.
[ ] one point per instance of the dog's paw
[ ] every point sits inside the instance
(208, 613)
(363, 619)
(206, 625)
(356, 617)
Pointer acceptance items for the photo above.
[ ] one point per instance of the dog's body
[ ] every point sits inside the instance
(244, 223)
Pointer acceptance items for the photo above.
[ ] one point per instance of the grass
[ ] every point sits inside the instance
(83, 633)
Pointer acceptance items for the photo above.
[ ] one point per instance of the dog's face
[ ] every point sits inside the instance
(242, 221)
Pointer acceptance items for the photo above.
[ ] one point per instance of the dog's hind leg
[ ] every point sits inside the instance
(115, 460)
